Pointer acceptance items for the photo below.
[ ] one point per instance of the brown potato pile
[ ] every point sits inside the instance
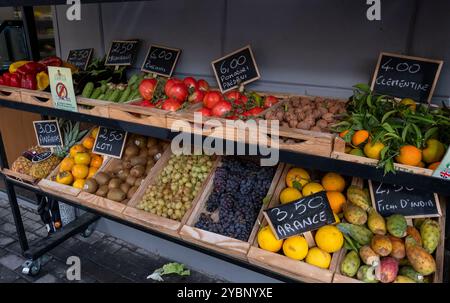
(316, 114)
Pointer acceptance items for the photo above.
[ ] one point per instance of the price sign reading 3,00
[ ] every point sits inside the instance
(48, 133)
(110, 142)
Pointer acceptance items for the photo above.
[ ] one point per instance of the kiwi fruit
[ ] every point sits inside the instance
(140, 141)
(138, 181)
(143, 152)
(114, 183)
(131, 192)
(131, 150)
(150, 162)
(125, 187)
(116, 194)
(137, 171)
(125, 201)
(102, 178)
(116, 166)
(131, 180)
(102, 190)
(123, 174)
(127, 164)
(152, 151)
(148, 168)
(138, 161)
(90, 186)
(151, 142)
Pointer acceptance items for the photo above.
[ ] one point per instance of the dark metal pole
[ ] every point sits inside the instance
(10, 191)
(30, 31)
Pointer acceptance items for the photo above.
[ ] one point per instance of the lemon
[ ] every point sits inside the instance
(268, 241)
(329, 238)
(373, 150)
(289, 194)
(79, 183)
(312, 188)
(295, 247)
(412, 104)
(318, 257)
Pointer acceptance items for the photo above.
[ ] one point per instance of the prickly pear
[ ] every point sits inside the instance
(396, 225)
(368, 256)
(387, 271)
(359, 233)
(430, 233)
(420, 259)
(413, 232)
(403, 279)
(409, 272)
(350, 264)
(366, 274)
(358, 197)
(382, 245)
(354, 214)
(376, 222)
(398, 248)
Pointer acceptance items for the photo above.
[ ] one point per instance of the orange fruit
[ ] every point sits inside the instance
(92, 171)
(410, 102)
(421, 164)
(337, 201)
(318, 257)
(64, 177)
(434, 165)
(66, 164)
(333, 182)
(78, 183)
(343, 133)
(296, 176)
(96, 161)
(289, 194)
(88, 142)
(373, 150)
(409, 155)
(311, 188)
(94, 133)
(268, 241)
(77, 148)
(82, 158)
(329, 238)
(434, 151)
(80, 171)
(359, 137)
(295, 247)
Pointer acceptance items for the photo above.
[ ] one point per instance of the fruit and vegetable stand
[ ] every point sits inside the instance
(330, 150)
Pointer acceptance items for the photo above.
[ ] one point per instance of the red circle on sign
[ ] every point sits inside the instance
(61, 90)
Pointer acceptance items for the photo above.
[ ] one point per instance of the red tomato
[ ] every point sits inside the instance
(232, 95)
(253, 112)
(171, 105)
(170, 83)
(159, 103)
(147, 88)
(178, 91)
(221, 108)
(270, 101)
(244, 99)
(232, 117)
(146, 103)
(190, 83)
(203, 85)
(204, 111)
(211, 98)
(197, 96)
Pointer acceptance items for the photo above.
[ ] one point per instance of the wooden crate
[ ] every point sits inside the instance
(153, 221)
(93, 107)
(27, 179)
(106, 205)
(339, 153)
(138, 114)
(36, 97)
(224, 244)
(10, 93)
(278, 262)
(439, 253)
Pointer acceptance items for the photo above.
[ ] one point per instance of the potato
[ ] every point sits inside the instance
(303, 125)
(316, 129)
(322, 123)
(329, 117)
(293, 123)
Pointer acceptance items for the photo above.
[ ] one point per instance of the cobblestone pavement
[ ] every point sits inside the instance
(103, 258)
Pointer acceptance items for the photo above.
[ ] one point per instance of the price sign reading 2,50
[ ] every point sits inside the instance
(122, 48)
(402, 67)
(225, 67)
(110, 142)
(110, 135)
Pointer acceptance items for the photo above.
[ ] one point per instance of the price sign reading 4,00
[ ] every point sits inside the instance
(161, 60)
(80, 57)
(48, 133)
(300, 216)
(235, 69)
(122, 52)
(110, 142)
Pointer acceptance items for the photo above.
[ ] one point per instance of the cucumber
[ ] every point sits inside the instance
(125, 95)
(134, 94)
(97, 92)
(87, 90)
(103, 88)
(114, 95)
(101, 97)
(133, 79)
(108, 93)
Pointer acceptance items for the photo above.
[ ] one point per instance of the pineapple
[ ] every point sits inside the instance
(23, 163)
(42, 169)
(72, 135)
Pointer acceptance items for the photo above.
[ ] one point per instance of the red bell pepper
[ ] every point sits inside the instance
(51, 61)
(7, 78)
(29, 82)
(2, 82)
(31, 68)
(15, 80)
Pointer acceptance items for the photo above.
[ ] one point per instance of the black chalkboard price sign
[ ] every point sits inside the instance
(122, 52)
(406, 77)
(389, 199)
(235, 69)
(110, 142)
(80, 57)
(300, 216)
(48, 133)
(161, 60)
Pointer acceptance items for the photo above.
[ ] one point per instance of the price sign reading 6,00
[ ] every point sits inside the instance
(235, 69)
(161, 60)
(110, 142)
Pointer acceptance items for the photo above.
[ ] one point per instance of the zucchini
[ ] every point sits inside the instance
(87, 90)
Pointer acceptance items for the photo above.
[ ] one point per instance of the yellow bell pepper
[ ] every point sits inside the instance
(42, 80)
(14, 66)
(72, 67)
